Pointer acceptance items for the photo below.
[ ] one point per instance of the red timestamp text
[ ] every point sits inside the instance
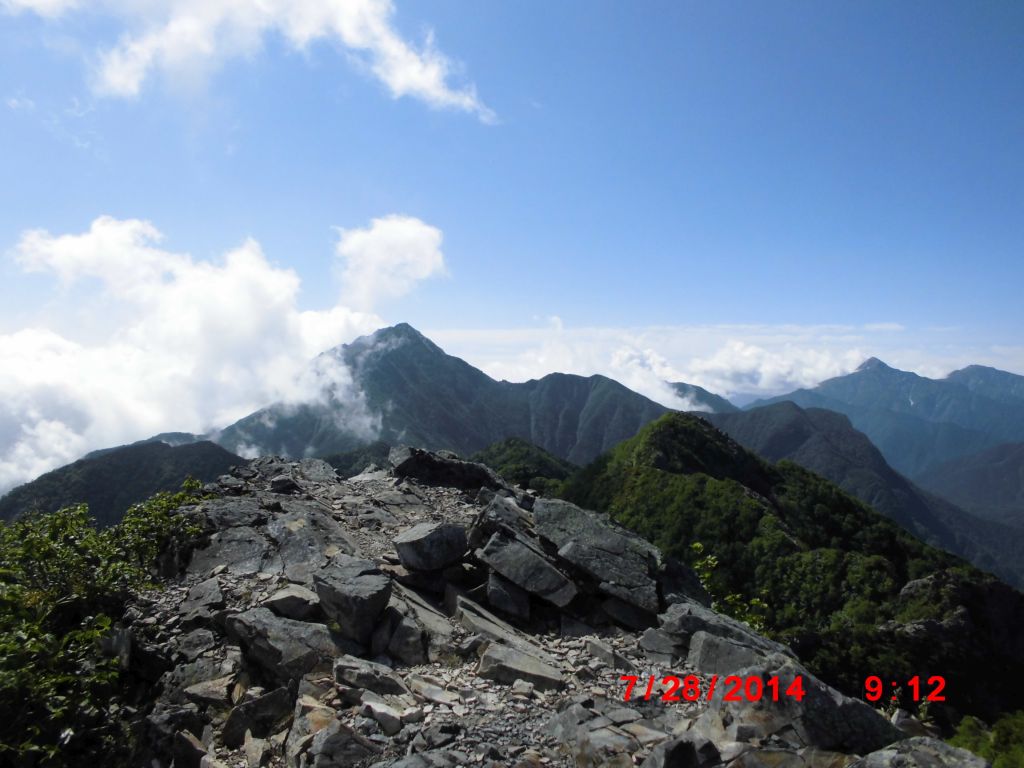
(690, 688)
(875, 689)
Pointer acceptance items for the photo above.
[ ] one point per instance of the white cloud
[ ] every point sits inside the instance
(730, 360)
(160, 341)
(187, 39)
(20, 104)
(45, 8)
(741, 367)
(384, 260)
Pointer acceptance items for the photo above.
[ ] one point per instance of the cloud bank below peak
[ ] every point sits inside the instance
(161, 341)
(187, 40)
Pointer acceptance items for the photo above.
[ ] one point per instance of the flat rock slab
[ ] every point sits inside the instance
(486, 624)
(244, 512)
(620, 561)
(243, 552)
(307, 537)
(506, 665)
(524, 566)
(368, 675)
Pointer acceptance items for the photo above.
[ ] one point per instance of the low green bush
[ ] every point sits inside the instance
(63, 582)
(1002, 744)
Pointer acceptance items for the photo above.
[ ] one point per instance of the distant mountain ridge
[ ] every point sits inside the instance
(826, 442)
(990, 483)
(428, 398)
(919, 422)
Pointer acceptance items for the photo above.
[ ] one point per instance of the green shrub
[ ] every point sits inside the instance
(62, 582)
(1002, 745)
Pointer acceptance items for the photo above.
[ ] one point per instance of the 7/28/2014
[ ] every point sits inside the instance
(737, 688)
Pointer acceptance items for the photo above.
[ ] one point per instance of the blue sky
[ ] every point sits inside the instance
(752, 196)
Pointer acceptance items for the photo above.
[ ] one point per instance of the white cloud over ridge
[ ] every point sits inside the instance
(189, 39)
(161, 341)
(736, 361)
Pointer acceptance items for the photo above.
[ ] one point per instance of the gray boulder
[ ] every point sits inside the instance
(710, 654)
(284, 648)
(294, 602)
(435, 469)
(431, 546)
(823, 718)
(769, 757)
(261, 716)
(317, 471)
(337, 746)
(485, 624)
(682, 620)
(309, 717)
(689, 751)
(502, 513)
(921, 752)
(353, 593)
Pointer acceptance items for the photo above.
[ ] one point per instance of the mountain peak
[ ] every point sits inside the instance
(399, 331)
(873, 364)
(391, 337)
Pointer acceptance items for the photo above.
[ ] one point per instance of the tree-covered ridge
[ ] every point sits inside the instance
(525, 464)
(826, 443)
(832, 572)
(110, 481)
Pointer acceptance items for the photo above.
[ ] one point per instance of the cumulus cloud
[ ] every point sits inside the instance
(159, 340)
(742, 367)
(187, 39)
(384, 260)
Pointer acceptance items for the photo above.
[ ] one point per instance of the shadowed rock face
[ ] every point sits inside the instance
(386, 622)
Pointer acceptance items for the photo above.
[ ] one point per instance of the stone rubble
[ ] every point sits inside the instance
(430, 615)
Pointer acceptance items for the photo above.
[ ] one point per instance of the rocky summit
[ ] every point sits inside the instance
(427, 614)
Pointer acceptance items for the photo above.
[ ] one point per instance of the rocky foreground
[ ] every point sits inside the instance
(429, 615)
